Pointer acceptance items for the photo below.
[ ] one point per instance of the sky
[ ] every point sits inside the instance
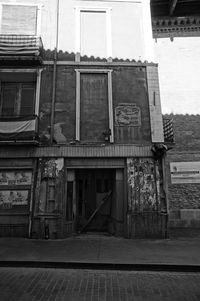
(179, 74)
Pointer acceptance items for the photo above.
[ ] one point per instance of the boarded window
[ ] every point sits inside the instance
(17, 99)
(94, 107)
(19, 19)
(93, 34)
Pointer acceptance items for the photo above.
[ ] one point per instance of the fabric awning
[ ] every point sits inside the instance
(20, 45)
(18, 129)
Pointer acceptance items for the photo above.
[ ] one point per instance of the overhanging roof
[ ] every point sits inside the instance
(175, 18)
(175, 8)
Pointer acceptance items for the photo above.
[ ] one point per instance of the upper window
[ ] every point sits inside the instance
(19, 19)
(17, 100)
(93, 32)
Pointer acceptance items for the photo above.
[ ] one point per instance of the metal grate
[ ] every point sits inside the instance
(168, 130)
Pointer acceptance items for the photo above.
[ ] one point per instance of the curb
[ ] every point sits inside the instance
(101, 266)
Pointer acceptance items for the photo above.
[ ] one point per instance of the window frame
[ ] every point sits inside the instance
(18, 97)
(37, 83)
(96, 9)
(78, 99)
(39, 14)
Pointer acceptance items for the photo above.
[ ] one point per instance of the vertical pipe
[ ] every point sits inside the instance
(54, 76)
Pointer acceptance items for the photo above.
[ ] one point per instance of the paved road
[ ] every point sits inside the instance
(26, 284)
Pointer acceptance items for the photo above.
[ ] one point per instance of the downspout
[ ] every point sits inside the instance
(54, 76)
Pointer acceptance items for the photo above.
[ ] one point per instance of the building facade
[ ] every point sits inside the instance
(81, 129)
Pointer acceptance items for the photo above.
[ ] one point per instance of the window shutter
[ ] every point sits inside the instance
(19, 19)
(9, 96)
(27, 100)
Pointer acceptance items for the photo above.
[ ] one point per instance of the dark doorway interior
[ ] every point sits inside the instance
(95, 191)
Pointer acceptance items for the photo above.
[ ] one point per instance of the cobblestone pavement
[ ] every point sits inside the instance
(77, 285)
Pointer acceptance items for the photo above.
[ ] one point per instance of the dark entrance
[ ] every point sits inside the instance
(95, 190)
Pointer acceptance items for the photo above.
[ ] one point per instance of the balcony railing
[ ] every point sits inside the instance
(168, 130)
(19, 130)
(20, 47)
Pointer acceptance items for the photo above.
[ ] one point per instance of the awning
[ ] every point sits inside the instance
(18, 129)
(20, 45)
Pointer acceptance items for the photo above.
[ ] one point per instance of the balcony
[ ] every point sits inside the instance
(168, 131)
(20, 49)
(19, 130)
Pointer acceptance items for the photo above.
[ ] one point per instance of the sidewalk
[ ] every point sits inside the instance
(101, 250)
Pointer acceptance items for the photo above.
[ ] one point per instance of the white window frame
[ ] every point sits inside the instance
(39, 13)
(107, 11)
(78, 99)
(38, 83)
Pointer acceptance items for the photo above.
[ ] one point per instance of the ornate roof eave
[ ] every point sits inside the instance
(176, 27)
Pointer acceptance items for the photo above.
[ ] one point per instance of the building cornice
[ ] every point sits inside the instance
(176, 26)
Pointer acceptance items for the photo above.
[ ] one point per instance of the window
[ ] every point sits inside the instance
(17, 100)
(20, 19)
(93, 38)
(93, 32)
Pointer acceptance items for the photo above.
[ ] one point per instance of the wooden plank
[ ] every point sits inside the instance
(122, 151)
(95, 163)
(172, 6)
(105, 199)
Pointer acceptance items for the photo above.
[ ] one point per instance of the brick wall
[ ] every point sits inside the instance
(184, 199)
(183, 196)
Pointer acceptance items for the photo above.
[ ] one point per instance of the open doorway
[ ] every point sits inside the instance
(95, 196)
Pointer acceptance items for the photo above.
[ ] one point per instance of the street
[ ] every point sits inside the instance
(58, 284)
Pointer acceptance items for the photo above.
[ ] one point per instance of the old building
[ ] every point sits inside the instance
(81, 129)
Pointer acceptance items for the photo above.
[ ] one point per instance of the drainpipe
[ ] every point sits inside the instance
(54, 76)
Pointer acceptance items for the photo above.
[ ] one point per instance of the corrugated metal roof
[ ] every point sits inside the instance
(77, 151)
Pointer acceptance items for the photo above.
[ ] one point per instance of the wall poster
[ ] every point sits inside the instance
(127, 114)
(10, 198)
(185, 172)
(15, 177)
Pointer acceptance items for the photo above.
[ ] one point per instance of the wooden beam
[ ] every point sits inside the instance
(172, 6)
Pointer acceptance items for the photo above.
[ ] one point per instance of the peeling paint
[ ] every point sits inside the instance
(59, 164)
(142, 185)
(58, 135)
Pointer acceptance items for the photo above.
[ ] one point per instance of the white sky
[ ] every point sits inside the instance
(179, 74)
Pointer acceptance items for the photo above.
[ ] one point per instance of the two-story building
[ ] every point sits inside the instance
(81, 130)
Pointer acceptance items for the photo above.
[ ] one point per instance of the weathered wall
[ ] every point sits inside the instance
(130, 99)
(145, 202)
(130, 88)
